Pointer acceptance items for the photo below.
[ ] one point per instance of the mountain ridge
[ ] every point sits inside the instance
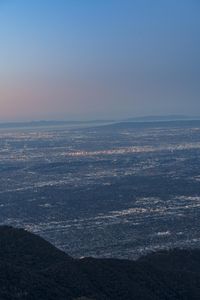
(142, 119)
(31, 268)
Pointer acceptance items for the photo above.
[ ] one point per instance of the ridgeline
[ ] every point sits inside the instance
(33, 269)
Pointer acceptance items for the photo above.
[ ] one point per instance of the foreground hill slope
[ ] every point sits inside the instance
(31, 268)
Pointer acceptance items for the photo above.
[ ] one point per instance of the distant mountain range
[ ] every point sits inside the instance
(51, 123)
(33, 269)
(162, 118)
(145, 119)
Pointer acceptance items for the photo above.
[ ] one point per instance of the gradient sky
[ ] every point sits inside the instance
(89, 59)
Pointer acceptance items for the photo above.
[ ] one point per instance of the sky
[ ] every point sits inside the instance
(98, 59)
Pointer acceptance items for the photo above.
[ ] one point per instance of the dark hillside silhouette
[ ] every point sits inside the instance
(31, 268)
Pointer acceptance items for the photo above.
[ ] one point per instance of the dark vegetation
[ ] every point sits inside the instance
(31, 268)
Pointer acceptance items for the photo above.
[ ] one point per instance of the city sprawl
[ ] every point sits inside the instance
(117, 190)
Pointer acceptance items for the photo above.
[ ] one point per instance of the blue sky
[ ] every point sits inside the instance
(73, 59)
